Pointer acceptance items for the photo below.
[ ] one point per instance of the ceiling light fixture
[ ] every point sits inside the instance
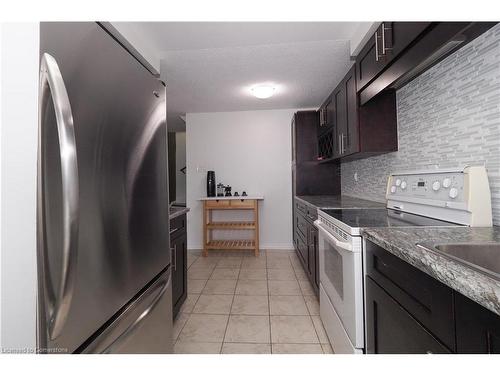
(263, 92)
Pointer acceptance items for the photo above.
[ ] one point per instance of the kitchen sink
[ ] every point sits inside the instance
(482, 256)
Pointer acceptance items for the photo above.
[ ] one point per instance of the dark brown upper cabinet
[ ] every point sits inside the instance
(399, 51)
(308, 176)
(358, 119)
(346, 103)
(390, 39)
(358, 132)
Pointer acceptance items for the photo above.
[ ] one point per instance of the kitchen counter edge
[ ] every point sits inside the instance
(178, 211)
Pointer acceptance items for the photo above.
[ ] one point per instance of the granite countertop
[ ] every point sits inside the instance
(338, 201)
(176, 211)
(478, 286)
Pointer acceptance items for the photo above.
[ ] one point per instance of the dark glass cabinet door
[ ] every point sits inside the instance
(478, 329)
(390, 329)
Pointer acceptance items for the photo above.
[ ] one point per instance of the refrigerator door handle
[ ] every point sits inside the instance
(163, 286)
(51, 85)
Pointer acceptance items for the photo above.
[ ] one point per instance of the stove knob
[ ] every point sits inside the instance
(403, 185)
(398, 182)
(436, 185)
(453, 193)
(393, 189)
(446, 182)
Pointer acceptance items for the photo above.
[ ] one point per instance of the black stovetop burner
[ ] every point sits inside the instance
(383, 217)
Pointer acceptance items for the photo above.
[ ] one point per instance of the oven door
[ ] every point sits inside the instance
(341, 278)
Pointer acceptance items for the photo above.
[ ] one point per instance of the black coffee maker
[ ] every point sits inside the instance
(210, 184)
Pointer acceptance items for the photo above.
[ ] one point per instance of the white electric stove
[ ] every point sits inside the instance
(414, 199)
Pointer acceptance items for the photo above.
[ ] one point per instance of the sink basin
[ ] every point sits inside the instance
(482, 256)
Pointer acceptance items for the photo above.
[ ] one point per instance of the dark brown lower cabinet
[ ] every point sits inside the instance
(302, 250)
(178, 249)
(478, 329)
(408, 311)
(305, 237)
(390, 329)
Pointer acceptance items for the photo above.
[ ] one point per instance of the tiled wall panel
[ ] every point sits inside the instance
(449, 116)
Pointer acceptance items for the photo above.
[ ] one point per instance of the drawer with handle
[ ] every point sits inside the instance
(426, 299)
(217, 203)
(311, 214)
(301, 207)
(178, 225)
(242, 203)
(301, 225)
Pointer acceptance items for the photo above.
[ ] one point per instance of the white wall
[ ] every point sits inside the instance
(250, 151)
(180, 162)
(363, 32)
(19, 116)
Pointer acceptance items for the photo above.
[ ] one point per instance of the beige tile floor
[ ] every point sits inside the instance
(238, 303)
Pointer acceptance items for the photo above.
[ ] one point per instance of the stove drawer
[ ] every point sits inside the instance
(423, 297)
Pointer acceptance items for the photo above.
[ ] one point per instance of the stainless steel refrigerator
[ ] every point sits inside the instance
(103, 246)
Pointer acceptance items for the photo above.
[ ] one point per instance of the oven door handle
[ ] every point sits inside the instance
(340, 244)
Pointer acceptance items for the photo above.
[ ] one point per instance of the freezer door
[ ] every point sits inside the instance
(144, 327)
(97, 253)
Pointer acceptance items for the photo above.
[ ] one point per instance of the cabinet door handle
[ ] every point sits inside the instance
(376, 46)
(341, 143)
(384, 48)
(383, 39)
(172, 231)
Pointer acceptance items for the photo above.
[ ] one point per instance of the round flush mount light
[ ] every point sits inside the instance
(263, 91)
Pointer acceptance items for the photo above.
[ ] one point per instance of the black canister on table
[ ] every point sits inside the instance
(210, 184)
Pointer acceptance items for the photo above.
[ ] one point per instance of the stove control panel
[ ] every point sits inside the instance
(447, 186)
(458, 195)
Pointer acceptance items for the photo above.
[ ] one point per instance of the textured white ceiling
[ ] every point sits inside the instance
(217, 80)
(170, 36)
(210, 66)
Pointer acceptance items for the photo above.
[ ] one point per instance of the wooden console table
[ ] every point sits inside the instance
(230, 203)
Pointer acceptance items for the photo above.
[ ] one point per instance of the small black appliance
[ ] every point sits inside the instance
(210, 184)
